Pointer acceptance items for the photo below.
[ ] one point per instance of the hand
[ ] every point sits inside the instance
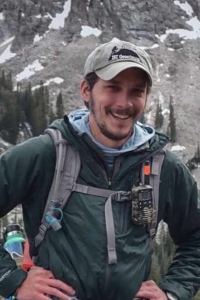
(39, 283)
(150, 290)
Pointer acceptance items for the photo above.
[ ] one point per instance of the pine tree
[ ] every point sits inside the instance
(9, 122)
(24, 109)
(46, 100)
(3, 79)
(159, 117)
(28, 104)
(197, 154)
(172, 122)
(59, 107)
(52, 116)
(9, 82)
(41, 108)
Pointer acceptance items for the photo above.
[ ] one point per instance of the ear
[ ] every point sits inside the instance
(85, 90)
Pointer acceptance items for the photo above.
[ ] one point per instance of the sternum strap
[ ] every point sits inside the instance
(109, 220)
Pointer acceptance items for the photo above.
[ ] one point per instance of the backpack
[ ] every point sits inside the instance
(68, 163)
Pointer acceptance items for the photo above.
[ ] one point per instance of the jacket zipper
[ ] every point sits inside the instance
(109, 182)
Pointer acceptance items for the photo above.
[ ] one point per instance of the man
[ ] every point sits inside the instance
(75, 260)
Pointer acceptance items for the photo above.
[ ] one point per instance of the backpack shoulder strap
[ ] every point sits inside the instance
(65, 175)
(157, 161)
(61, 146)
(154, 181)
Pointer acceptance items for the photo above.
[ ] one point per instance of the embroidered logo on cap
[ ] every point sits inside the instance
(123, 53)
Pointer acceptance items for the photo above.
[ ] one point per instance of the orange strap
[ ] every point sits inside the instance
(27, 261)
(147, 169)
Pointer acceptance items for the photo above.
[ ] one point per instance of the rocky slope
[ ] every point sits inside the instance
(169, 30)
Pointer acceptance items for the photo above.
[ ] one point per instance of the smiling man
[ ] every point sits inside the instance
(115, 105)
(102, 251)
(119, 96)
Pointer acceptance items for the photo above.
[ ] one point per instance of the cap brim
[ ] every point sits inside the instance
(114, 69)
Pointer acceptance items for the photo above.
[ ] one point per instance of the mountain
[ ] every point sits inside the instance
(49, 40)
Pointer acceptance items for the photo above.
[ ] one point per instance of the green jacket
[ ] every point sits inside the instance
(77, 254)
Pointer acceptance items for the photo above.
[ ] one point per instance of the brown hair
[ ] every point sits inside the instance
(91, 79)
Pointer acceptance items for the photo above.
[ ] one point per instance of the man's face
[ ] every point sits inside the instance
(115, 105)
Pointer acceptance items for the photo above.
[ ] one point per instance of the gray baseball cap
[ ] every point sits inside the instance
(109, 59)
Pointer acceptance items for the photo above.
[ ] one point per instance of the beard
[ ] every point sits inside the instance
(112, 135)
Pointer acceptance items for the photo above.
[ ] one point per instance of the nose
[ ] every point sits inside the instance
(124, 100)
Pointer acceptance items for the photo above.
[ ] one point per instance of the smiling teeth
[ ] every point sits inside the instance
(123, 117)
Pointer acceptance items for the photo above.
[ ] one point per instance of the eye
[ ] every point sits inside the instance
(138, 92)
(113, 88)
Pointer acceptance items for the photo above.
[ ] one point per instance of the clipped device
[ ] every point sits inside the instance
(142, 204)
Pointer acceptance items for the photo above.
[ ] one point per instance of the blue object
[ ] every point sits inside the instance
(14, 240)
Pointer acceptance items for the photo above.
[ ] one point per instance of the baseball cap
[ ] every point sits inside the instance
(109, 59)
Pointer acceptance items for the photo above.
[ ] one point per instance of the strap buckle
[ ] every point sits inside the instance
(122, 196)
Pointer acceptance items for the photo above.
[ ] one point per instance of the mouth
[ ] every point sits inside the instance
(120, 116)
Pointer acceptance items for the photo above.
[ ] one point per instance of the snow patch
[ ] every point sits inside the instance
(1, 16)
(87, 30)
(178, 148)
(57, 80)
(59, 20)
(165, 112)
(195, 23)
(37, 38)
(183, 33)
(161, 98)
(38, 16)
(6, 55)
(115, 39)
(157, 73)
(185, 6)
(29, 70)
(88, 4)
(141, 47)
(151, 47)
(8, 41)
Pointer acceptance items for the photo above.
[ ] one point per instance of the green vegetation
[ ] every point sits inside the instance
(172, 122)
(159, 117)
(25, 110)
